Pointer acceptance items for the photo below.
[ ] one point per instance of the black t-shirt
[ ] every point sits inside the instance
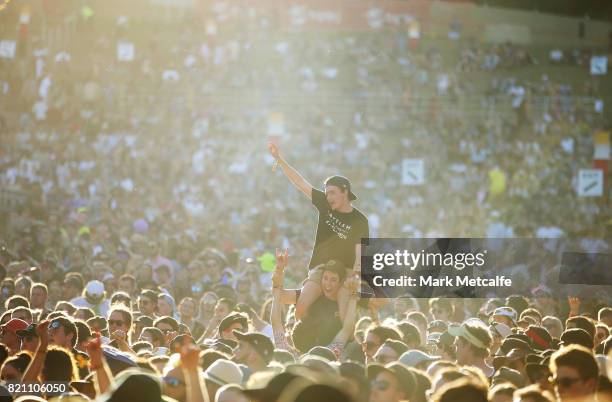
(337, 233)
(323, 315)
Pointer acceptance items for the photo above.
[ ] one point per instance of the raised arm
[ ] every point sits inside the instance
(98, 365)
(276, 320)
(298, 181)
(348, 326)
(35, 367)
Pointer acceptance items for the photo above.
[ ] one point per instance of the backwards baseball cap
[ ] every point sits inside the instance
(260, 342)
(341, 182)
(14, 325)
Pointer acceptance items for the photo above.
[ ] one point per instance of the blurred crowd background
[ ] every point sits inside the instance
(133, 134)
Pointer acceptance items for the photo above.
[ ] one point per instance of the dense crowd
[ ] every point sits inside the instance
(139, 213)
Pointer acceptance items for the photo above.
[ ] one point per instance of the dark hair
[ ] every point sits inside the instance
(210, 356)
(383, 333)
(417, 316)
(229, 302)
(532, 393)
(530, 312)
(83, 330)
(336, 267)
(577, 357)
(444, 304)
(20, 361)
(518, 303)
(121, 297)
(461, 390)
(71, 307)
(149, 294)
(167, 320)
(410, 333)
(69, 328)
(16, 301)
(398, 347)
(88, 312)
(156, 334)
(4, 352)
(582, 322)
(125, 313)
(39, 285)
(603, 313)
(140, 345)
(21, 308)
(76, 279)
(59, 365)
(233, 318)
(423, 383)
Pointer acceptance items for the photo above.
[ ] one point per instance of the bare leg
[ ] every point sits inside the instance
(310, 292)
(343, 298)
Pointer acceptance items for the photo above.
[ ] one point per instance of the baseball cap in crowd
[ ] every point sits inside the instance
(414, 357)
(445, 339)
(135, 386)
(323, 352)
(223, 372)
(94, 288)
(506, 374)
(270, 389)
(571, 336)
(515, 341)
(512, 356)
(234, 318)
(30, 330)
(539, 337)
(505, 312)
(437, 326)
(536, 366)
(500, 328)
(260, 342)
(463, 332)
(74, 280)
(341, 182)
(404, 376)
(14, 325)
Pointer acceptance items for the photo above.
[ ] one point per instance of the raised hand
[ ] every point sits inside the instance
(190, 355)
(279, 271)
(42, 330)
(282, 259)
(352, 283)
(273, 149)
(574, 305)
(94, 350)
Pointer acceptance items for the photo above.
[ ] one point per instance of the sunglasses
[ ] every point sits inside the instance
(173, 381)
(55, 325)
(380, 385)
(565, 382)
(118, 323)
